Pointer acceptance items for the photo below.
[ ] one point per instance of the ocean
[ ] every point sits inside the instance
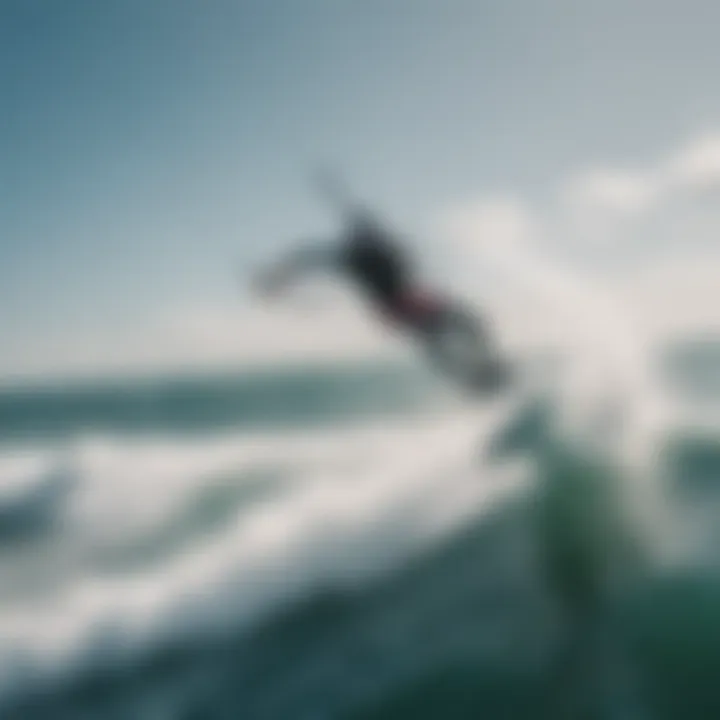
(352, 542)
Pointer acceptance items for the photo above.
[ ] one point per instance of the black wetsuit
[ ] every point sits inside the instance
(383, 273)
(378, 266)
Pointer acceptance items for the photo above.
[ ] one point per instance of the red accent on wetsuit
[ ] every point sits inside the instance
(414, 307)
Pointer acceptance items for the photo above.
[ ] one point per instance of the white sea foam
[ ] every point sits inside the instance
(350, 504)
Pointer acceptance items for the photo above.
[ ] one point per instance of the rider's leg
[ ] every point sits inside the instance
(459, 344)
(459, 338)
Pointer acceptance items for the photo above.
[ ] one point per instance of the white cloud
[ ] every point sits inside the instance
(694, 168)
(494, 223)
(539, 299)
(616, 191)
(697, 165)
(671, 285)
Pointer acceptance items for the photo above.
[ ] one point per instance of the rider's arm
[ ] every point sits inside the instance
(311, 258)
(308, 258)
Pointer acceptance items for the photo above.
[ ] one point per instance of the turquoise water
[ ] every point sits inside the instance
(208, 403)
(335, 544)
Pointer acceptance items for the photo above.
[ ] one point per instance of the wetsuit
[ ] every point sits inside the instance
(383, 273)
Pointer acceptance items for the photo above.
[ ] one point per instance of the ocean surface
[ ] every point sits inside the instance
(354, 543)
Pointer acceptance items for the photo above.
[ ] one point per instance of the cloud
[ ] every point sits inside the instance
(496, 222)
(693, 169)
(615, 191)
(697, 165)
(538, 297)
(622, 247)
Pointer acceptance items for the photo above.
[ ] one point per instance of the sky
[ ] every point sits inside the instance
(154, 152)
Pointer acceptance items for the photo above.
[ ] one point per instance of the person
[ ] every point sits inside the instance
(454, 339)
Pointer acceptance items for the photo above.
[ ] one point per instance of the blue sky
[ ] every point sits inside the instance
(148, 147)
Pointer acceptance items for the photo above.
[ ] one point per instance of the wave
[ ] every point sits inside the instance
(371, 560)
(33, 490)
(167, 541)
